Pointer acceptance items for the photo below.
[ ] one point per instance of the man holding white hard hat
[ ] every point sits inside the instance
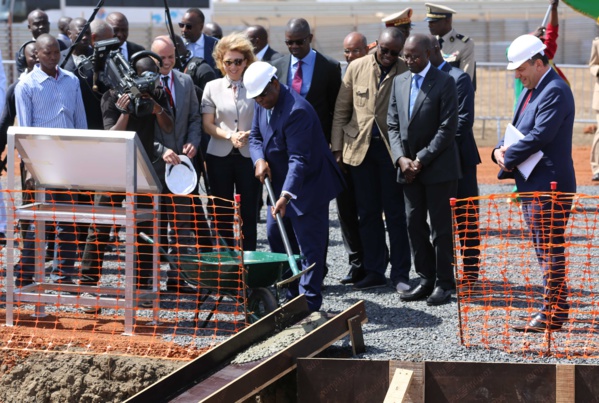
(545, 116)
(175, 150)
(287, 145)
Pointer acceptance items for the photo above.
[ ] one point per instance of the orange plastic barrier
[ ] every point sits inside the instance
(536, 252)
(78, 295)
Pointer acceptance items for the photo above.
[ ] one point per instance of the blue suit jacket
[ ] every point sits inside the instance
(297, 153)
(547, 124)
(469, 155)
(209, 44)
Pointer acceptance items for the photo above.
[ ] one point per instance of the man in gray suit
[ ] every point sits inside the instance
(422, 120)
(184, 140)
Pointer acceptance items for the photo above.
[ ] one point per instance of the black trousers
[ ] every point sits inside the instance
(229, 175)
(99, 234)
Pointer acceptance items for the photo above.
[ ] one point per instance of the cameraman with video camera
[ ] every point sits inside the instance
(135, 103)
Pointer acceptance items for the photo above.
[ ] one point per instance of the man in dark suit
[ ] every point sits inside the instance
(422, 120)
(545, 116)
(196, 67)
(200, 45)
(466, 213)
(315, 76)
(120, 26)
(287, 145)
(259, 37)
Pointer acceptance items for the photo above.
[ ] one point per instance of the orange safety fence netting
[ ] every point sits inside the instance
(91, 278)
(518, 255)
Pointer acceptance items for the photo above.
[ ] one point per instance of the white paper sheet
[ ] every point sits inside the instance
(512, 136)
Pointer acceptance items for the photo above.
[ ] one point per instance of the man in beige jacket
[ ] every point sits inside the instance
(360, 144)
(594, 67)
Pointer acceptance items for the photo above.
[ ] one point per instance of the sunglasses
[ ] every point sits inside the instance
(236, 62)
(183, 25)
(265, 92)
(298, 42)
(387, 51)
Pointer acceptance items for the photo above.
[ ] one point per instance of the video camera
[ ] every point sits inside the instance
(114, 71)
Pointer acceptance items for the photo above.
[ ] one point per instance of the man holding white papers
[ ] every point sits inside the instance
(545, 116)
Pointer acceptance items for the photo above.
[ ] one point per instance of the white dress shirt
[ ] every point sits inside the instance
(197, 47)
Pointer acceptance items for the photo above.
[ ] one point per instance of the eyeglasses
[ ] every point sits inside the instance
(183, 25)
(265, 92)
(298, 42)
(387, 51)
(236, 62)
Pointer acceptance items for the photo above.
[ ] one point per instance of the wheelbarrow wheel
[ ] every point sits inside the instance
(261, 302)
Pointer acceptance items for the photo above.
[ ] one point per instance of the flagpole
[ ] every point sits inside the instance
(546, 16)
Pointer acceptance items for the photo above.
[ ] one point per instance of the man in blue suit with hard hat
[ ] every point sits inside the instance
(545, 116)
(288, 146)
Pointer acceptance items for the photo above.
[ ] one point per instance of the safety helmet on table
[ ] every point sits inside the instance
(256, 78)
(522, 49)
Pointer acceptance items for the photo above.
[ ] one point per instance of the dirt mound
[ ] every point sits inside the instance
(81, 378)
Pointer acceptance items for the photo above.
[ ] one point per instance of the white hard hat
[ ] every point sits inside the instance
(181, 179)
(256, 77)
(522, 49)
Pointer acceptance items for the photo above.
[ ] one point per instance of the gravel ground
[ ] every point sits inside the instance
(399, 330)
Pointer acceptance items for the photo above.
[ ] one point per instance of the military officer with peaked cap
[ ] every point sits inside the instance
(458, 50)
(401, 20)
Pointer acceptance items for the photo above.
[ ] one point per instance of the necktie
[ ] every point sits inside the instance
(169, 94)
(525, 104)
(296, 84)
(234, 92)
(268, 115)
(441, 43)
(415, 87)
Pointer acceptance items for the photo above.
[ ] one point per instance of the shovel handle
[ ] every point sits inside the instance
(273, 201)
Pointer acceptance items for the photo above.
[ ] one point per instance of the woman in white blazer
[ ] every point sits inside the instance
(227, 117)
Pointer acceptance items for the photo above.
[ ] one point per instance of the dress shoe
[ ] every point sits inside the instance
(540, 324)
(418, 293)
(595, 177)
(353, 276)
(402, 287)
(179, 287)
(438, 297)
(371, 280)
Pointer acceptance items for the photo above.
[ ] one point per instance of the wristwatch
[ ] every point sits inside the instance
(287, 197)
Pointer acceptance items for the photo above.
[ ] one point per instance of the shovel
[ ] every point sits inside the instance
(297, 273)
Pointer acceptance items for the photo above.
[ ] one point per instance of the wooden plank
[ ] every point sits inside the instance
(286, 360)
(469, 381)
(399, 386)
(212, 361)
(341, 380)
(564, 383)
(356, 336)
(415, 392)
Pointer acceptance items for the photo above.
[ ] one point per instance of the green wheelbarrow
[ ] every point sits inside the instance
(219, 273)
